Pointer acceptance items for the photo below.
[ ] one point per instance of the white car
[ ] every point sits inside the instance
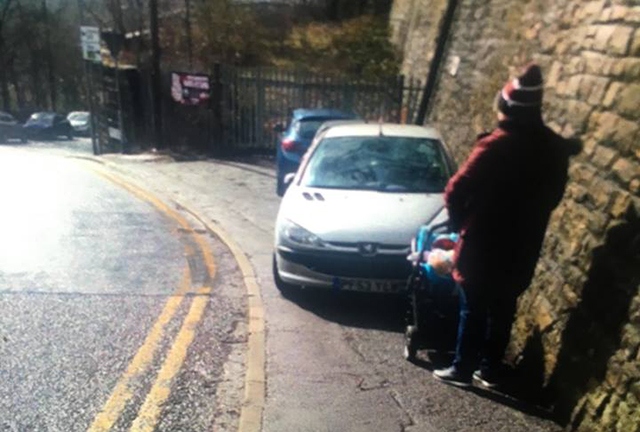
(350, 212)
(80, 122)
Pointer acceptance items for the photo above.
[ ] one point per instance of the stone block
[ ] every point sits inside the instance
(620, 204)
(573, 86)
(610, 415)
(597, 63)
(634, 187)
(633, 15)
(603, 37)
(628, 419)
(627, 69)
(597, 223)
(615, 88)
(601, 193)
(604, 126)
(629, 101)
(553, 75)
(618, 13)
(571, 299)
(635, 44)
(603, 157)
(578, 114)
(591, 11)
(592, 89)
(626, 137)
(626, 170)
(620, 40)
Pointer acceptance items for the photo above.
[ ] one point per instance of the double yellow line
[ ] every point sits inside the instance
(151, 408)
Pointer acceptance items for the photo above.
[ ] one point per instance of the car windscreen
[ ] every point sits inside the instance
(45, 119)
(382, 163)
(79, 116)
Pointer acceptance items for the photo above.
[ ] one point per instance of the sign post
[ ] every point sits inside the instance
(90, 41)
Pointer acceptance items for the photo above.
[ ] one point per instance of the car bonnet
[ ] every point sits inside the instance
(360, 216)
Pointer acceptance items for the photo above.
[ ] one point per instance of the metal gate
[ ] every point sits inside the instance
(253, 100)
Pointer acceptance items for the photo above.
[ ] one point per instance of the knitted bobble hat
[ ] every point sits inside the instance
(521, 97)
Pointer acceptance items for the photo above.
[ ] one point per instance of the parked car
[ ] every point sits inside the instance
(10, 128)
(47, 125)
(348, 216)
(80, 122)
(297, 136)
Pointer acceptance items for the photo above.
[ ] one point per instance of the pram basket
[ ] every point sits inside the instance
(428, 291)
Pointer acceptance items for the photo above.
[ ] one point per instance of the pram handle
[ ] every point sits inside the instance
(437, 226)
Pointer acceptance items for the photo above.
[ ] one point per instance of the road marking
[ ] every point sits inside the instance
(255, 377)
(122, 393)
(149, 413)
(151, 408)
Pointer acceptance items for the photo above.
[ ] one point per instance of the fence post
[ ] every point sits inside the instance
(216, 108)
(400, 117)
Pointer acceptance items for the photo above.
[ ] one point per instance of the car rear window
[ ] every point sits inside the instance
(307, 128)
(391, 164)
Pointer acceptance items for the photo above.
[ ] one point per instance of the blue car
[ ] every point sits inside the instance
(297, 137)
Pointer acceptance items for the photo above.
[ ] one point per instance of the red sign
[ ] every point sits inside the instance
(189, 89)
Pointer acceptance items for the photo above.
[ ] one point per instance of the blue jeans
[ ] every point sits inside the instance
(484, 329)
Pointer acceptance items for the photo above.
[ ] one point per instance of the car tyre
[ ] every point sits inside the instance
(280, 186)
(286, 289)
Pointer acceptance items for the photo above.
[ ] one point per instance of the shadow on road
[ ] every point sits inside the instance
(362, 310)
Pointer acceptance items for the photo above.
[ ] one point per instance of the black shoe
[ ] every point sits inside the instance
(486, 379)
(452, 376)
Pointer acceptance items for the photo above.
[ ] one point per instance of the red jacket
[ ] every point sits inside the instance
(501, 199)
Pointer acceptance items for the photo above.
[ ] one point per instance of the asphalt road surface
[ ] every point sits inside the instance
(111, 312)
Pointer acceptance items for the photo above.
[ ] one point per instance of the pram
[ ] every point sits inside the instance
(432, 293)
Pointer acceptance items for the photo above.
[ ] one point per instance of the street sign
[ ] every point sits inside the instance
(90, 39)
(190, 89)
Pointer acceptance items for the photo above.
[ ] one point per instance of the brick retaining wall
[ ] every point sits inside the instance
(579, 323)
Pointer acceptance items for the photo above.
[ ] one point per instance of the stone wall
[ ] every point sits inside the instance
(578, 326)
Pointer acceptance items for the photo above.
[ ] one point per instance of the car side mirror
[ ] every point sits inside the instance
(279, 128)
(288, 179)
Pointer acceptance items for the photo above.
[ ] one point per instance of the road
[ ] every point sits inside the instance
(76, 318)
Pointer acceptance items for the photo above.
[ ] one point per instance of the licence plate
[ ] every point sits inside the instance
(371, 285)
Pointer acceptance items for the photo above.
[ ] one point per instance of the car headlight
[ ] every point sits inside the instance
(298, 235)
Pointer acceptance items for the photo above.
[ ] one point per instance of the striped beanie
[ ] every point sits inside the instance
(521, 97)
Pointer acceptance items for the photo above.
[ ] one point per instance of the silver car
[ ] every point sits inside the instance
(350, 212)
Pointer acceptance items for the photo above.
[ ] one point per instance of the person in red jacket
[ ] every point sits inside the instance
(500, 201)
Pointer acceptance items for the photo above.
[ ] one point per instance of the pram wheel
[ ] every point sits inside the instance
(410, 343)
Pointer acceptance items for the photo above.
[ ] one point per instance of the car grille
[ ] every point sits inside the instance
(352, 265)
